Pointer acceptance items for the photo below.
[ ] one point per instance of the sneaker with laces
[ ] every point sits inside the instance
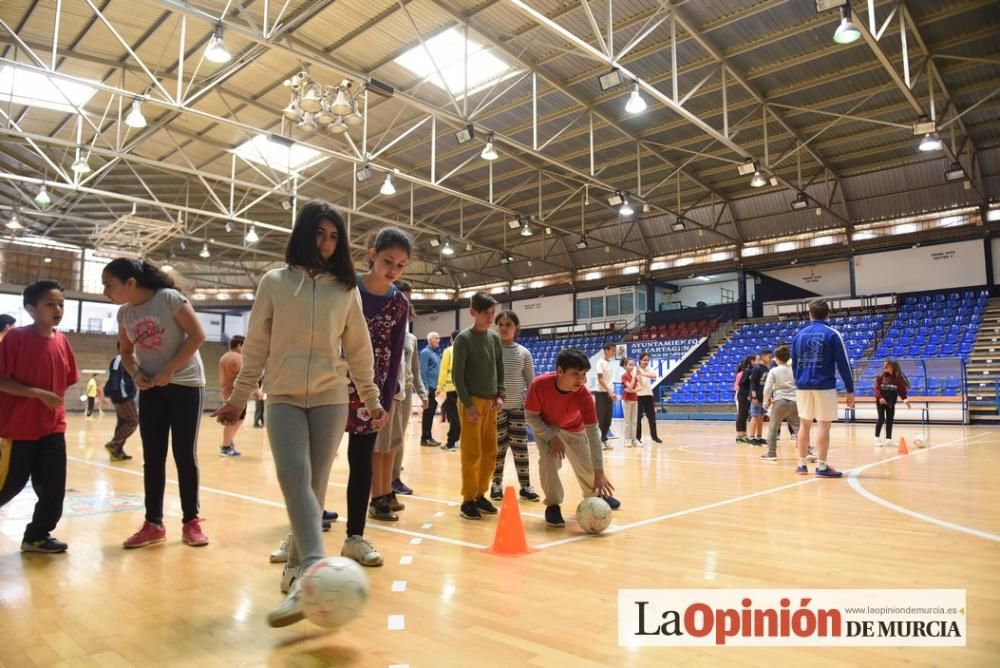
(802, 469)
(148, 534)
(361, 551)
(529, 494)
(192, 534)
(399, 487)
(878, 442)
(330, 516)
(811, 456)
(289, 575)
(379, 510)
(290, 611)
(395, 504)
(614, 503)
(657, 440)
(828, 472)
(770, 456)
(496, 492)
(280, 555)
(449, 447)
(742, 440)
(47, 545)
(229, 451)
(469, 511)
(484, 506)
(553, 517)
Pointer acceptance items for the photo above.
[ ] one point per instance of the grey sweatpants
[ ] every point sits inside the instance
(781, 410)
(578, 454)
(304, 442)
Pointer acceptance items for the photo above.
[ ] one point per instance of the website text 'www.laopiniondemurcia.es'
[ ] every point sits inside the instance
(791, 617)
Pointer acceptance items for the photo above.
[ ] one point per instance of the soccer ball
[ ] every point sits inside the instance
(593, 514)
(83, 398)
(920, 440)
(334, 590)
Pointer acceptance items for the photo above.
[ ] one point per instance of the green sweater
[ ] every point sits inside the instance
(477, 367)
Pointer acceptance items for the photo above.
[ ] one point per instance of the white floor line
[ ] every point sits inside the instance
(719, 504)
(855, 484)
(452, 504)
(278, 504)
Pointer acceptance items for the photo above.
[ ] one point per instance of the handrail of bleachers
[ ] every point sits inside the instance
(838, 304)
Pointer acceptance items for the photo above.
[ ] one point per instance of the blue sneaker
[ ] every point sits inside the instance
(614, 503)
(829, 472)
(802, 470)
(229, 451)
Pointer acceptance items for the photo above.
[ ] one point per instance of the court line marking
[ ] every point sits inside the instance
(429, 499)
(278, 504)
(719, 504)
(852, 480)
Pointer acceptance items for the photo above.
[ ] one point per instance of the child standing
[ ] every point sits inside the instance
(120, 389)
(386, 314)
(743, 398)
(304, 336)
(512, 431)
(229, 368)
(644, 393)
(91, 394)
(779, 397)
(477, 371)
(818, 354)
(758, 377)
(890, 386)
(159, 336)
(604, 394)
(430, 368)
(630, 402)
(449, 407)
(36, 367)
(562, 415)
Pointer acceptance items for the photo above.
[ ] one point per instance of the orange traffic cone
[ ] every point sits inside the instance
(509, 540)
(902, 447)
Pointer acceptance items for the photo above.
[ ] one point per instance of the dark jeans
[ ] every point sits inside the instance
(359, 481)
(647, 409)
(886, 414)
(258, 413)
(427, 419)
(44, 461)
(90, 406)
(450, 409)
(742, 412)
(164, 411)
(128, 422)
(603, 401)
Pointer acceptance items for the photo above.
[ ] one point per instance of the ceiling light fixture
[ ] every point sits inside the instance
(526, 229)
(758, 180)
(135, 119)
(42, 199)
(489, 151)
(205, 253)
(447, 249)
(846, 32)
(14, 223)
(81, 166)
(465, 135)
(582, 243)
(679, 225)
(612, 79)
(954, 173)
(387, 187)
(635, 104)
(930, 142)
(800, 202)
(435, 242)
(748, 167)
(364, 173)
(216, 50)
(626, 208)
(229, 226)
(506, 258)
(252, 237)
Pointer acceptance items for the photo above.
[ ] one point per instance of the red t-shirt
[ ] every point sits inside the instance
(31, 359)
(570, 411)
(628, 395)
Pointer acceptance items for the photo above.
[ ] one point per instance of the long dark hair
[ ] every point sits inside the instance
(146, 275)
(747, 361)
(393, 237)
(301, 250)
(897, 371)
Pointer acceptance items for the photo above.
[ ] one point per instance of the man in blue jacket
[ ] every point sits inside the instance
(430, 366)
(818, 354)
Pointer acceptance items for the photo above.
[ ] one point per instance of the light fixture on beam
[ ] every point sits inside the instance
(526, 229)
(435, 242)
(81, 166)
(800, 202)
(489, 151)
(447, 249)
(229, 226)
(846, 32)
(252, 237)
(930, 142)
(364, 173)
(506, 258)
(514, 223)
(167, 267)
(758, 180)
(582, 243)
(615, 199)
(748, 167)
(205, 253)
(438, 271)
(679, 225)
(42, 199)
(216, 50)
(773, 181)
(626, 208)
(337, 126)
(354, 118)
(387, 187)
(635, 104)
(465, 135)
(380, 87)
(826, 5)
(341, 102)
(612, 79)
(953, 174)
(135, 119)
(14, 224)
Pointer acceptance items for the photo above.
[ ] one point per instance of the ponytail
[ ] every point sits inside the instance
(146, 275)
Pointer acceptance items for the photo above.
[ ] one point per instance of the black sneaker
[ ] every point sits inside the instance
(379, 509)
(48, 545)
(449, 447)
(529, 494)
(758, 442)
(330, 516)
(434, 441)
(496, 492)
(485, 506)
(770, 457)
(327, 525)
(614, 503)
(469, 511)
(553, 517)
(428, 443)
(657, 440)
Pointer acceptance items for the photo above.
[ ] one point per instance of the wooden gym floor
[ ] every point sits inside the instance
(697, 511)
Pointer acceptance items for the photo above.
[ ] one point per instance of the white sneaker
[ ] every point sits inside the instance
(811, 456)
(290, 610)
(636, 444)
(361, 551)
(280, 555)
(878, 442)
(289, 575)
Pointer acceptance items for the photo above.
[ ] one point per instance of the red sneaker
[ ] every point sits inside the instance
(192, 534)
(149, 534)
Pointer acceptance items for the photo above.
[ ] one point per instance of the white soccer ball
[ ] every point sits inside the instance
(920, 440)
(83, 398)
(334, 591)
(593, 514)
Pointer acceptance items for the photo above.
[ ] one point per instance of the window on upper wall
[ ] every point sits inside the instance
(582, 309)
(597, 307)
(625, 303)
(641, 300)
(612, 304)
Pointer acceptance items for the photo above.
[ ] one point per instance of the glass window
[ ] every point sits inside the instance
(612, 302)
(641, 301)
(625, 303)
(582, 309)
(597, 307)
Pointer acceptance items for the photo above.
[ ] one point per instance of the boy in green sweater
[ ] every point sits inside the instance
(477, 372)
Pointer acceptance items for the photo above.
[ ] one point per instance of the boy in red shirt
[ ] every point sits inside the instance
(561, 412)
(36, 367)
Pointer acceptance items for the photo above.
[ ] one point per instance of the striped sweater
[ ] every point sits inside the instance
(518, 372)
